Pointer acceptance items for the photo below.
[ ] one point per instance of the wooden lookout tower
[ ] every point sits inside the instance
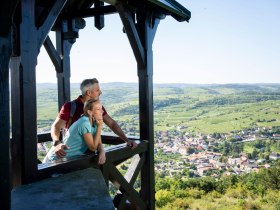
(25, 27)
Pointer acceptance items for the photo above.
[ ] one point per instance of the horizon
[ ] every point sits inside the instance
(223, 43)
(259, 83)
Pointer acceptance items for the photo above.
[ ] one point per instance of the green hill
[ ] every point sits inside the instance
(199, 108)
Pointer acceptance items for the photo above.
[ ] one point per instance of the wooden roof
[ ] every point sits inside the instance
(95, 8)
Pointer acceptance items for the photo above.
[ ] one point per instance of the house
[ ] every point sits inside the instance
(274, 156)
(203, 169)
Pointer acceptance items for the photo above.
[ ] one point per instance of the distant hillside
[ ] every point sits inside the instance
(197, 108)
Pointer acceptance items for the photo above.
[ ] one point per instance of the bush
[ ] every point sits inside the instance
(238, 193)
(252, 205)
(277, 206)
(196, 193)
(178, 204)
(163, 197)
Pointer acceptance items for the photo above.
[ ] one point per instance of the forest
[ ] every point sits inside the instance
(250, 191)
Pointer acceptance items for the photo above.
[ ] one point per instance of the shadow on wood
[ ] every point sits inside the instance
(83, 189)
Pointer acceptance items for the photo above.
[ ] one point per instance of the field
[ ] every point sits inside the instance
(195, 108)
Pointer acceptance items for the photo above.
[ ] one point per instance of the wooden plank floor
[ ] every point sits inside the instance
(83, 189)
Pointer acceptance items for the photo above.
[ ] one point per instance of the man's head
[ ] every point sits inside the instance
(90, 89)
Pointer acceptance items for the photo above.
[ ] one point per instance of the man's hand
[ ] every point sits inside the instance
(131, 144)
(60, 150)
(102, 157)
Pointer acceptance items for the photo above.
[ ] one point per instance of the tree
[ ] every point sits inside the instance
(216, 135)
(208, 184)
(273, 177)
(190, 150)
(254, 154)
(226, 148)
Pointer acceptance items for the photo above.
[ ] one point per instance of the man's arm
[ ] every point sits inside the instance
(57, 125)
(55, 134)
(113, 125)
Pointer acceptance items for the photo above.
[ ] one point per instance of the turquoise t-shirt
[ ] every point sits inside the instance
(74, 138)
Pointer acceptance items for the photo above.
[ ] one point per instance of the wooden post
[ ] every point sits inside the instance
(28, 58)
(63, 76)
(146, 26)
(5, 180)
(16, 141)
(27, 45)
(141, 37)
(6, 17)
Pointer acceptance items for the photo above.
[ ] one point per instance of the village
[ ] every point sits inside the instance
(198, 156)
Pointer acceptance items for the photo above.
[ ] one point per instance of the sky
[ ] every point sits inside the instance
(225, 41)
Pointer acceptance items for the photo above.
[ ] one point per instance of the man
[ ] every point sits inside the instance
(90, 90)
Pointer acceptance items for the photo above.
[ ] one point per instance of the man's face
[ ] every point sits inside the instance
(95, 92)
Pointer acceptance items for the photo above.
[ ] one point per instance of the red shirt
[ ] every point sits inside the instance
(64, 113)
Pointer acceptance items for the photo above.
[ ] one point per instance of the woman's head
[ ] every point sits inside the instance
(93, 108)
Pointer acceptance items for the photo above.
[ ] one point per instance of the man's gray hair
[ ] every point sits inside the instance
(87, 84)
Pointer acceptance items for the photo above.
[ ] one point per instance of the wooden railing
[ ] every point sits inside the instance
(116, 154)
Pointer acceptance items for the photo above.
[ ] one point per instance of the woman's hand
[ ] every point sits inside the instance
(99, 122)
(102, 157)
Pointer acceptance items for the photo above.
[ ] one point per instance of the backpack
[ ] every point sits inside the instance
(72, 112)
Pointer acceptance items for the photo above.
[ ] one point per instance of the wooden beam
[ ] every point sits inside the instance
(55, 58)
(6, 17)
(45, 170)
(120, 152)
(99, 19)
(132, 34)
(44, 30)
(90, 12)
(106, 139)
(126, 186)
(131, 176)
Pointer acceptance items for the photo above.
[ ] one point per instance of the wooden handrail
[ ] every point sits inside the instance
(107, 138)
(115, 154)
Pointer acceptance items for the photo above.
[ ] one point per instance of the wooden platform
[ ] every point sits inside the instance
(79, 190)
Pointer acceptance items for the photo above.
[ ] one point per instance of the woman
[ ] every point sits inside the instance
(84, 134)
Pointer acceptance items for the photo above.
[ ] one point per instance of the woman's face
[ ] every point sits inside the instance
(97, 111)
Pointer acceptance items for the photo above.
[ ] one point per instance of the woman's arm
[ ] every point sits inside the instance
(102, 154)
(93, 142)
